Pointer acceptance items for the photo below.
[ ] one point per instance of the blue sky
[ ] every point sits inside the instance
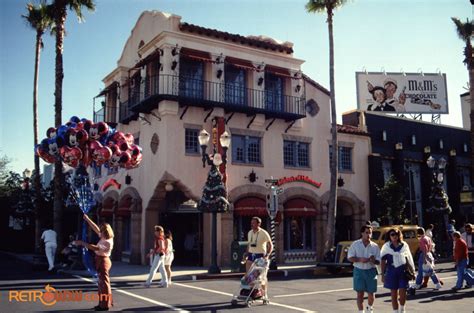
(394, 35)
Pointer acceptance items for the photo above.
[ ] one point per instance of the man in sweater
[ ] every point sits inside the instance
(460, 258)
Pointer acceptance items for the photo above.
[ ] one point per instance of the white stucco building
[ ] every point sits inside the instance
(171, 80)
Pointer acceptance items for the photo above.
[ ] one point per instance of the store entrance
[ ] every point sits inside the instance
(187, 237)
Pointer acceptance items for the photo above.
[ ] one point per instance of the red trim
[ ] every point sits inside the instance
(125, 212)
(299, 178)
(244, 64)
(111, 183)
(106, 213)
(299, 207)
(197, 55)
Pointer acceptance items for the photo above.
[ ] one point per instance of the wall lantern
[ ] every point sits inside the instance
(128, 179)
(298, 88)
(260, 81)
(219, 73)
(252, 177)
(174, 64)
(340, 181)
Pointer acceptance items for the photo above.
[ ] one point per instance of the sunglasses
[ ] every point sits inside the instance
(393, 234)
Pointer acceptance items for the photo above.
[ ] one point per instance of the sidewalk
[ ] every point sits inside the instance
(122, 271)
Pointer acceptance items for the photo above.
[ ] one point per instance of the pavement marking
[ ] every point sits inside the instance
(168, 306)
(231, 295)
(334, 290)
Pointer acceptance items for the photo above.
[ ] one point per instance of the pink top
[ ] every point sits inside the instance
(426, 245)
(105, 247)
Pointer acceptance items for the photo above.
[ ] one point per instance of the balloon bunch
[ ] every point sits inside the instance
(82, 142)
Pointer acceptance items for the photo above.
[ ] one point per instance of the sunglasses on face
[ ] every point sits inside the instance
(393, 234)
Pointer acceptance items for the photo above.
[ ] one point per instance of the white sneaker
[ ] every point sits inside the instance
(416, 286)
(438, 286)
(369, 309)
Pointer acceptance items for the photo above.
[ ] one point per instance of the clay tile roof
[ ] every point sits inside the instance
(353, 130)
(252, 41)
(315, 84)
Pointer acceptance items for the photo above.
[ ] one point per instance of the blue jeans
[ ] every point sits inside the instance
(461, 267)
(419, 276)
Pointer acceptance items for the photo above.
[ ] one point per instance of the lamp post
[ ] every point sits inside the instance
(26, 179)
(438, 197)
(214, 197)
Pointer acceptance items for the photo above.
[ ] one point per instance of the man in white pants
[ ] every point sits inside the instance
(50, 245)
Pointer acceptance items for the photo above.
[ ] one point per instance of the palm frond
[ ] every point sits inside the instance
(321, 6)
(464, 30)
(78, 5)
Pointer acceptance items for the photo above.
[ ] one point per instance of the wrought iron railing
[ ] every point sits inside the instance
(106, 114)
(188, 90)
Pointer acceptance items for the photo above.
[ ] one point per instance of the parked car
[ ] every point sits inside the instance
(336, 259)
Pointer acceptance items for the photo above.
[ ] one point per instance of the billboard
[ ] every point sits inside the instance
(402, 92)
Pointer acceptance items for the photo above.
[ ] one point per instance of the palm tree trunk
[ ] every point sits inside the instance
(332, 205)
(470, 67)
(37, 182)
(58, 168)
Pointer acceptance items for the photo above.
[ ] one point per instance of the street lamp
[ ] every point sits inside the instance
(214, 196)
(26, 178)
(438, 197)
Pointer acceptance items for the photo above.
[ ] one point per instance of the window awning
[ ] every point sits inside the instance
(299, 207)
(107, 89)
(106, 212)
(244, 64)
(154, 55)
(201, 56)
(250, 206)
(280, 71)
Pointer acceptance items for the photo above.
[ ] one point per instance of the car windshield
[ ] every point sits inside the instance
(375, 235)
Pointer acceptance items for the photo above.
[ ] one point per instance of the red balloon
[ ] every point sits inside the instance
(48, 158)
(118, 137)
(119, 158)
(100, 154)
(86, 156)
(129, 138)
(71, 155)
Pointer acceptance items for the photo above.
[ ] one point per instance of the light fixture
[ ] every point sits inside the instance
(442, 163)
(169, 187)
(260, 81)
(399, 146)
(203, 138)
(225, 139)
(340, 181)
(384, 135)
(26, 173)
(441, 144)
(175, 50)
(128, 180)
(413, 140)
(174, 64)
(219, 73)
(217, 159)
(430, 162)
(298, 88)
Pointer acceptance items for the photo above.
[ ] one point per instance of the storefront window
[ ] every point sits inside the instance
(298, 233)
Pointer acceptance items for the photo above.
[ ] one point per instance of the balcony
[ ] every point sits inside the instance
(106, 114)
(194, 92)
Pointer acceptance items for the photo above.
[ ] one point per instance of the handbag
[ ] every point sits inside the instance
(409, 270)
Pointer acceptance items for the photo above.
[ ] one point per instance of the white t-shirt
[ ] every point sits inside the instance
(359, 250)
(49, 236)
(257, 241)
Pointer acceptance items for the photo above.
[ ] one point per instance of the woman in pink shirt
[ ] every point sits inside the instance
(103, 250)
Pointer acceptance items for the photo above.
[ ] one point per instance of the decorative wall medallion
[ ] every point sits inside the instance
(312, 108)
(155, 142)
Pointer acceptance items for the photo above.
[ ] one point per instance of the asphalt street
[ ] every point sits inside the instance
(315, 294)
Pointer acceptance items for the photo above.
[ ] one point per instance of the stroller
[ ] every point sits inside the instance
(251, 284)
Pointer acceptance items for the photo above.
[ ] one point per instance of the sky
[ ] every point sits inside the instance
(373, 35)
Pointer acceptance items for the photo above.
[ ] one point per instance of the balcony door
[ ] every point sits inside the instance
(273, 92)
(191, 74)
(235, 91)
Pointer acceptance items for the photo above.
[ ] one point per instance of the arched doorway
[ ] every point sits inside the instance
(344, 221)
(244, 210)
(181, 217)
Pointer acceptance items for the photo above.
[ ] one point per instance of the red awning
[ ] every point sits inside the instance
(105, 212)
(299, 207)
(244, 64)
(196, 55)
(152, 56)
(251, 206)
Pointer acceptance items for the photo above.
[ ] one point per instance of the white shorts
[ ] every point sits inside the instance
(169, 258)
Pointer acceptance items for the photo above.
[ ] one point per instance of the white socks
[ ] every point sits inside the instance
(402, 308)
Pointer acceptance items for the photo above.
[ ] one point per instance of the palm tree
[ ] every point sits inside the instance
(59, 10)
(328, 7)
(465, 33)
(39, 20)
